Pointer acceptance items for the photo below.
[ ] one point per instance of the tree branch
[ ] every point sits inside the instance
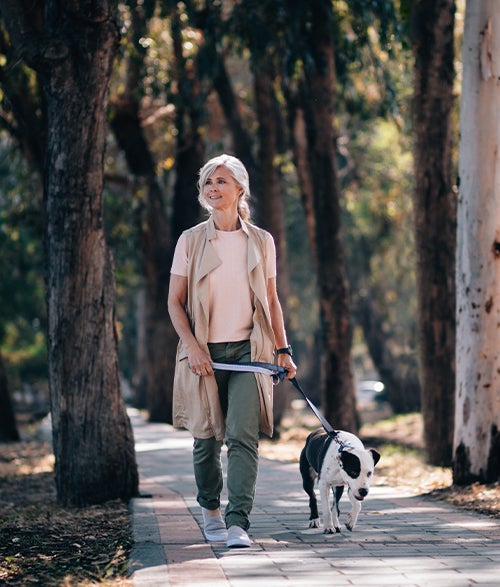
(24, 21)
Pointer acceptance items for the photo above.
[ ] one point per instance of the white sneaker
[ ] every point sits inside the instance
(214, 527)
(237, 538)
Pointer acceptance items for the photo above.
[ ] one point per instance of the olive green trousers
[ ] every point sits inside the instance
(239, 396)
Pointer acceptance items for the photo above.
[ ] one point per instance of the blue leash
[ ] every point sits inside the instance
(278, 374)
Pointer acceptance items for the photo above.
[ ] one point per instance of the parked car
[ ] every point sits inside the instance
(369, 391)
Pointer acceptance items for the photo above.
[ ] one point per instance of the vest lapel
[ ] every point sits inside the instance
(256, 265)
(254, 254)
(208, 262)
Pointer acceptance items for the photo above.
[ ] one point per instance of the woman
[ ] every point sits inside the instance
(224, 306)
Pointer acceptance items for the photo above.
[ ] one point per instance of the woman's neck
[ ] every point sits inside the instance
(226, 222)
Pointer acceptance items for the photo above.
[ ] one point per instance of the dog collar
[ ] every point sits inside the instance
(343, 445)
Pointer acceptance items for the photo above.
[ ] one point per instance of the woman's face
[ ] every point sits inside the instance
(221, 191)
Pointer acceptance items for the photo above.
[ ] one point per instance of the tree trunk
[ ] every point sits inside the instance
(189, 159)
(155, 243)
(241, 138)
(93, 440)
(337, 375)
(272, 206)
(298, 128)
(8, 426)
(477, 417)
(402, 384)
(155, 238)
(160, 334)
(435, 220)
(188, 120)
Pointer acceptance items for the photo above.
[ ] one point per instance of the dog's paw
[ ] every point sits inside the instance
(350, 523)
(335, 530)
(314, 523)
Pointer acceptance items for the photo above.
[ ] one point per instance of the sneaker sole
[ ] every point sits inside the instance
(219, 537)
(238, 545)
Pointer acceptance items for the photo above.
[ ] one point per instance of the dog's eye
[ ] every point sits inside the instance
(369, 474)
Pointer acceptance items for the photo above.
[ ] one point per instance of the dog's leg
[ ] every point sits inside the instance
(337, 494)
(330, 517)
(308, 478)
(352, 517)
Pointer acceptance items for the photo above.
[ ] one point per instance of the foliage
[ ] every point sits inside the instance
(378, 227)
(372, 89)
(22, 298)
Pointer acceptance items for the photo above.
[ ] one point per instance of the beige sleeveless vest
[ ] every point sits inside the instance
(196, 404)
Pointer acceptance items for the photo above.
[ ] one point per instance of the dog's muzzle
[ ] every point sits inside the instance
(362, 493)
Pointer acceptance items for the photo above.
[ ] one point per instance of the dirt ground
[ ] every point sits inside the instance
(42, 543)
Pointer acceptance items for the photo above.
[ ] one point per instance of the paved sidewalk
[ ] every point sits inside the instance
(399, 540)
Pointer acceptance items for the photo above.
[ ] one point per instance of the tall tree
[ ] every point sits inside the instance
(477, 417)
(317, 97)
(72, 48)
(260, 35)
(272, 199)
(189, 113)
(154, 231)
(435, 219)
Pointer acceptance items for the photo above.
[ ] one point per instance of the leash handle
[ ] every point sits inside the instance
(275, 371)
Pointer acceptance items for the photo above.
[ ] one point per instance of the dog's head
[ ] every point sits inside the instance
(357, 467)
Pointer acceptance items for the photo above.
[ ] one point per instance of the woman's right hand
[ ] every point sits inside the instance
(199, 361)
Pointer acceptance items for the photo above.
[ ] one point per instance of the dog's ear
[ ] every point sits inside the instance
(375, 455)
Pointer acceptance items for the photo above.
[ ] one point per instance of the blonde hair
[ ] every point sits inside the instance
(240, 175)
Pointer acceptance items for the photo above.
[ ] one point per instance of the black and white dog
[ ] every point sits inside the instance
(336, 462)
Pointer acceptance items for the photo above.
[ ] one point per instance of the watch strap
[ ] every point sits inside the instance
(287, 350)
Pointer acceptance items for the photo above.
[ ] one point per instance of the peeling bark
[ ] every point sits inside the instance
(477, 416)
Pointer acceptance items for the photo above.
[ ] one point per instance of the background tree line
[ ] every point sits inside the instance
(115, 108)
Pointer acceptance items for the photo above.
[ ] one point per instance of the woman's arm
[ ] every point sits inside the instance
(278, 326)
(198, 360)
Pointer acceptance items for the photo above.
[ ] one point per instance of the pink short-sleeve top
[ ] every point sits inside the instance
(230, 297)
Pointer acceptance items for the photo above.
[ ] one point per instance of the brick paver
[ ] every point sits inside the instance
(400, 540)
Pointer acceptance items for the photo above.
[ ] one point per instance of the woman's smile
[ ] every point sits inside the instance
(221, 189)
